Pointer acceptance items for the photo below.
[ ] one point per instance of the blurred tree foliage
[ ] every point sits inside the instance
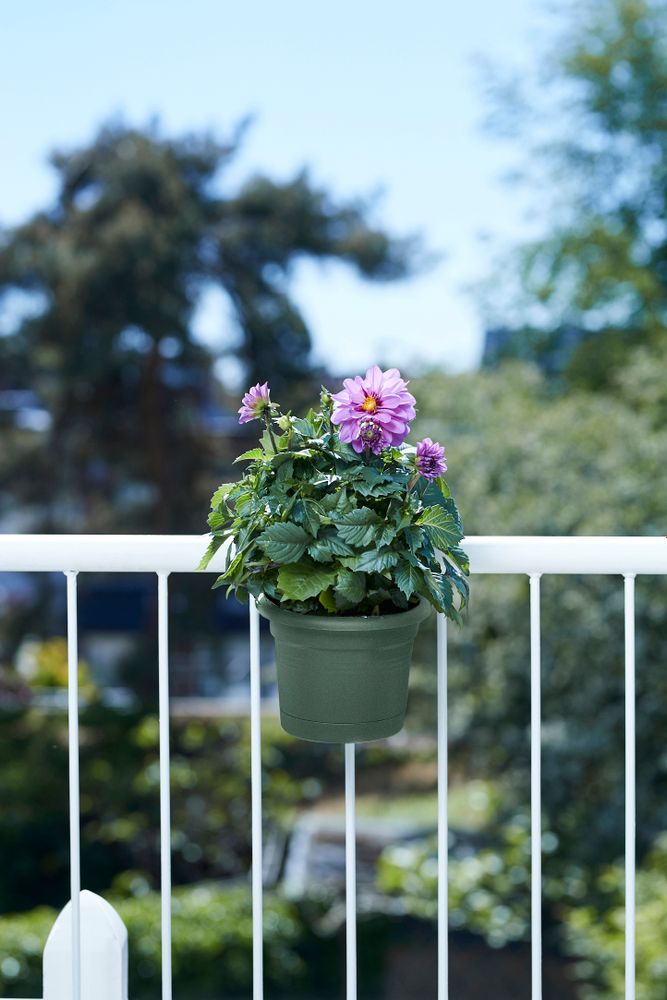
(210, 776)
(524, 462)
(210, 788)
(595, 282)
(99, 291)
(596, 931)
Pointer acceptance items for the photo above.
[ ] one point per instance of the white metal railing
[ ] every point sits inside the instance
(165, 554)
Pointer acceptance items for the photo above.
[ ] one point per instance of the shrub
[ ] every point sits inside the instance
(212, 944)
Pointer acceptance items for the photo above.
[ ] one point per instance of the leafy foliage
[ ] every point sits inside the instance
(111, 275)
(585, 464)
(581, 464)
(596, 931)
(210, 774)
(322, 529)
(592, 285)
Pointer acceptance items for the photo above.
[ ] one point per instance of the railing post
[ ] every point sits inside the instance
(535, 788)
(165, 790)
(74, 791)
(443, 819)
(630, 786)
(350, 873)
(257, 869)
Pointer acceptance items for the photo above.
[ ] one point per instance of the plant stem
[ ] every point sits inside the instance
(267, 420)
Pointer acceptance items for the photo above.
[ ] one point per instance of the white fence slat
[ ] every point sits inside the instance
(443, 819)
(535, 789)
(103, 952)
(165, 790)
(74, 793)
(257, 869)
(630, 792)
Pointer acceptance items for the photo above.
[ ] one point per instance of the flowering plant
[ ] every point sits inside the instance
(335, 513)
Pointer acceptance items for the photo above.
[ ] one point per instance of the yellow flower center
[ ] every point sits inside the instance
(370, 404)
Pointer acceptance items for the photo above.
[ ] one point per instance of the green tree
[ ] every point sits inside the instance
(523, 462)
(598, 139)
(108, 278)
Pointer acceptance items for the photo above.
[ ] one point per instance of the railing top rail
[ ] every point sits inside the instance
(181, 553)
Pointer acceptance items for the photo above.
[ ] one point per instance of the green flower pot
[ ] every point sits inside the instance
(343, 680)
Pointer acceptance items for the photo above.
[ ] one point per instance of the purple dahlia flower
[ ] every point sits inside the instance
(430, 459)
(374, 412)
(372, 436)
(255, 403)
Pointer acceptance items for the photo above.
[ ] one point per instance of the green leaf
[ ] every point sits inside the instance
(284, 542)
(459, 558)
(303, 426)
(388, 534)
(321, 552)
(358, 527)
(232, 569)
(217, 518)
(285, 470)
(333, 502)
(250, 456)
(328, 546)
(211, 550)
(441, 526)
(350, 587)
(413, 535)
(433, 496)
(243, 499)
(328, 601)
(305, 513)
(436, 488)
(302, 580)
(221, 493)
(373, 561)
(430, 587)
(460, 583)
(407, 578)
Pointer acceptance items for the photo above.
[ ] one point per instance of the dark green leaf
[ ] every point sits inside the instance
(407, 578)
(305, 512)
(413, 536)
(285, 471)
(373, 561)
(284, 542)
(350, 587)
(359, 527)
(459, 558)
(329, 545)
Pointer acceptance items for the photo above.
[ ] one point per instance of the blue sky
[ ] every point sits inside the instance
(370, 95)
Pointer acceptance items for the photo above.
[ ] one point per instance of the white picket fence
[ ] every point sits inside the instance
(86, 954)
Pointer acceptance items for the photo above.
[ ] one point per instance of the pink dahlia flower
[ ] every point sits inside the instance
(430, 459)
(255, 402)
(374, 412)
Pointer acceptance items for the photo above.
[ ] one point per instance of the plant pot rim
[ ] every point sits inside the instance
(348, 623)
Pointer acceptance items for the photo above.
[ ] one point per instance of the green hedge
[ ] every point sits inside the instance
(212, 944)
(596, 932)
